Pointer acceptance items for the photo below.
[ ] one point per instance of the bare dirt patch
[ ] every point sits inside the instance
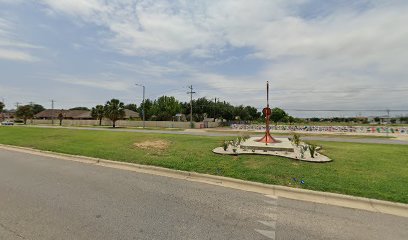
(154, 145)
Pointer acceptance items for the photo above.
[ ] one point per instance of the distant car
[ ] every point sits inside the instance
(7, 123)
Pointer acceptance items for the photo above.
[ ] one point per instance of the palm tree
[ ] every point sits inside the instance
(60, 118)
(98, 112)
(114, 110)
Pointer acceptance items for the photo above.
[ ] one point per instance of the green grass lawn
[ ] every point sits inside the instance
(106, 126)
(367, 170)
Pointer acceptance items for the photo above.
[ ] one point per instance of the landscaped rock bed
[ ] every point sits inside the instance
(285, 148)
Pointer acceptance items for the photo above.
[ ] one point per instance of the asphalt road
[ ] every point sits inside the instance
(223, 134)
(47, 198)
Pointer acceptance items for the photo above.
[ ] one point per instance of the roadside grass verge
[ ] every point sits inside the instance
(366, 170)
(103, 126)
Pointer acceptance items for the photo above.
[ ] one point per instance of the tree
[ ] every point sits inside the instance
(291, 119)
(114, 110)
(60, 118)
(148, 104)
(24, 112)
(227, 111)
(2, 106)
(316, 119)
(404, 119)
(98, 112)
(131, 106)
(37, 108)
(202, 107)
(377, 119)
(278, 115)
(165, 108)
(241, 112)
(79, 108)
(253, 113)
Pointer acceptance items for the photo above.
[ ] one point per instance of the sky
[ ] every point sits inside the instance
(316, 55)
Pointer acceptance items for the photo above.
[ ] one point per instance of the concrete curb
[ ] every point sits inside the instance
(398, 209)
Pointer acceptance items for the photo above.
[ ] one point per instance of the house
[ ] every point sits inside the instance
(209, 119)
(77, 114)
(179, 117)
(8, 115)
(68, 114)
(129, 114)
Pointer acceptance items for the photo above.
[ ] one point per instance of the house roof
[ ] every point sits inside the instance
(77, 114)
(131, 114)
(86, 114)
(49, 113)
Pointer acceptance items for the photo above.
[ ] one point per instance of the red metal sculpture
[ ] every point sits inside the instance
(267, 112)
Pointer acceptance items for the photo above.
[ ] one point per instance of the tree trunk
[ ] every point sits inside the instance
(60, 122)
(100, 121)
(114, 123)
(25, 121)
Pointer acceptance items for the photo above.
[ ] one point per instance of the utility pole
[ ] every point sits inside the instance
(214, 108)
(191, 104)
(52, 111)
(17, 104)
(143, 102)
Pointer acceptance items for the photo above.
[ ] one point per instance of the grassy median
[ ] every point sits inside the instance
(367, 170)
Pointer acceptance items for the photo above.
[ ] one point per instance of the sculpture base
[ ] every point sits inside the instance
(268, 139)
(282, 149)
(281, 144)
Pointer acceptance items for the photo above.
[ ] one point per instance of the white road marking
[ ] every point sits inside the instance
(268, 234)
(271, 214)
(271, 224)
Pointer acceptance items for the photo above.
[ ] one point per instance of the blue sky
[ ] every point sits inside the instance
(316, 54)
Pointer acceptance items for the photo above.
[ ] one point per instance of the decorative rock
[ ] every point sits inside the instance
(284, 149)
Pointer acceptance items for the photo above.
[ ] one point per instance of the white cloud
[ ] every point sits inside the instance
(342, 56)
(11, 48)
(16, 55)
(271, 28)
(103, 81)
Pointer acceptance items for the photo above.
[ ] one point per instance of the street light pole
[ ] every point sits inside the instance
(143, 102)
